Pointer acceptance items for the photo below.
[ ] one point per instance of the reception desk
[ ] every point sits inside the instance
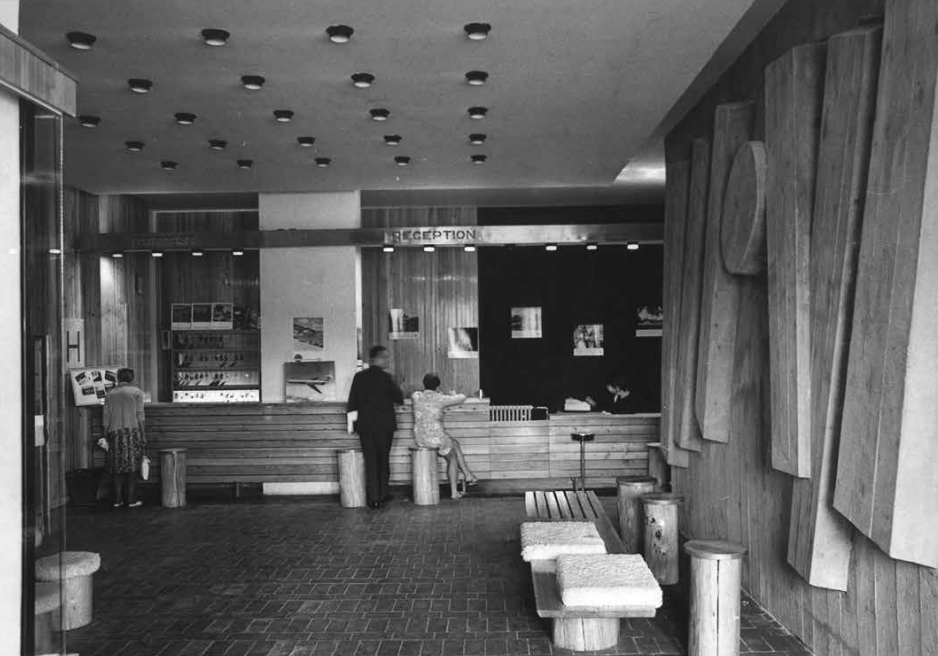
(290, 448)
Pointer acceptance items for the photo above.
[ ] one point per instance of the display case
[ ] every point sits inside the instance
(216, 366)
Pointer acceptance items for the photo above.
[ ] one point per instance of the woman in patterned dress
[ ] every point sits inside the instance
(126, 440)
(429, 406)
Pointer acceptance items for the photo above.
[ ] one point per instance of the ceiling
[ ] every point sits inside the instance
(574, 91)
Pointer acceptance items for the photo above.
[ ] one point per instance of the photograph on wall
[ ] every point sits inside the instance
(463, 343)
(526, 323)
(588, 340)
(90, 385)
(308, 337)
(648, 321)
(201, 316)
(222, 316)
(306, 382)
(181, 316)
(402, 325)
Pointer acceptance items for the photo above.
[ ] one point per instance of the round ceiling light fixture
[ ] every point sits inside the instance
(476, 78)
(117, 255)
(632, 246)
(551, 248)
(477, 31)
(393, 139)
(469, 248)
(478, 159)
(477, 113)
(363, 80)
(340, 33)
(323, 162)
(592, 246)
(380, 114)
(89, 121)
(81, 40)
(306, 142)
(215, 37)
(185, 118)
(238, 252)
(429, 249)
(157, 253)
(477, 139)
(402, 160)
(140, 85)
(245, 163)
(252, 82)
(168, 165)
(197, 252)
(283, 115)
(217, 144)
(134, 146)
(387, 248)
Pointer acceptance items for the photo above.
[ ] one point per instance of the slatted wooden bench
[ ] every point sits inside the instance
(580, 628)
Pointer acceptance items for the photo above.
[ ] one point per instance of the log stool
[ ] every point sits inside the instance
(47, 617)
(715, 571)
(657, 465)
(351, 478)
(426, 482)
(582, 438)
(173, 477)
(74, 569)
(661, 548)
(631, 517)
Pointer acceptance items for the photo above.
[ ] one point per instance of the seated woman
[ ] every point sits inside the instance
(619, 400)
(429, 406)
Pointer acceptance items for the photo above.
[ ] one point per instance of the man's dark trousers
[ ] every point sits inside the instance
(376, 448)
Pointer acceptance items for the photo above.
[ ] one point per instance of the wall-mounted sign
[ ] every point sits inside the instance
(91, 384)
(648, 321)
(402, 325)
(74, 346)
(308, 337)
(437, 235)
(526, 323)
(463, 343)
(588, 340)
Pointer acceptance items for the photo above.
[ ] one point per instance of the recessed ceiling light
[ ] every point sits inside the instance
(139, 85)
(252, 82)
(214, 37)
(198, 253)
(245, 163)
(339, 33)
(469, 248)
(323, 162)
(592, 247)
(393, 139)
(185, 118)
(387, 248)
(89, 121)
(476, 78)
(117, 255)
(55, 251)
(217, 144)
(429, 249)
(402, 160)
(477, 31)
(157, 253)
(380, 114)
(363, 80)
(168, 165)
(238, 252)
(550, 248)
(306, 142)
(478, 159)
(477, 139)
(134, 146)
(81, 40)
(632, 246)
(478, 113)
(283, 115)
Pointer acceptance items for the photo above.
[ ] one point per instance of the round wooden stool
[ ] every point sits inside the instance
(631, 517)
(173, 477)
(426, 482)
(47, 617)
(715, 572)
(661, 547)
(351, 478)
(75, 570)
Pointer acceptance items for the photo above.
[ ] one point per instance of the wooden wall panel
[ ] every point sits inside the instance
(441, 288)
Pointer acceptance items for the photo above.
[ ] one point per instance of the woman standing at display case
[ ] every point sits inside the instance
(126, 440)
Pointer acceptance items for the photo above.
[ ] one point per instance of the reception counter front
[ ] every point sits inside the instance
(291, 448)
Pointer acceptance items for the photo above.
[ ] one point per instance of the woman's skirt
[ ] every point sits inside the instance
(434, 440)
(125, 450)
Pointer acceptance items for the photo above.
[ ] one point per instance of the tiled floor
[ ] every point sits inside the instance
(300, 577)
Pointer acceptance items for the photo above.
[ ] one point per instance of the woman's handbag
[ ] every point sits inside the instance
(145, 468)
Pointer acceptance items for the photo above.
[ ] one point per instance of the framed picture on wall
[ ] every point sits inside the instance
(526, 323)
(201, 316)
(588, 340)
(222, 316)
(463, 343)
(309, 337)
(648, 321)
(181, 316)
(402, 325)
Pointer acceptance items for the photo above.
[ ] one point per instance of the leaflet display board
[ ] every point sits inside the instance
(91, 384)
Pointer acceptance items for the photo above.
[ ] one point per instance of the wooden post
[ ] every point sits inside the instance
(586, 634)
(173, 477)
(631, 517)
(657, 465)
(426, 485)
(715, 571)
(351, 478)
(661, 548)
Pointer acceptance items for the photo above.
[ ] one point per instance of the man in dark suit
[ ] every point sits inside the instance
(373, 396)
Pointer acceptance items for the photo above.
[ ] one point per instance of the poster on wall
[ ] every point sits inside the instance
(402, 325)
(588, 340)
(222, 316)
(463, 343)
(648, 321)
(526, 323)
(90, 385)
(201, 316)
(306, 382)
(181, 316)
(308, 337)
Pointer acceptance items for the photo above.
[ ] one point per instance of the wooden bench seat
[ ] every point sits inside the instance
(580, 628)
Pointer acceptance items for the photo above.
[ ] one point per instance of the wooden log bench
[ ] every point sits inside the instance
(580, 628)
